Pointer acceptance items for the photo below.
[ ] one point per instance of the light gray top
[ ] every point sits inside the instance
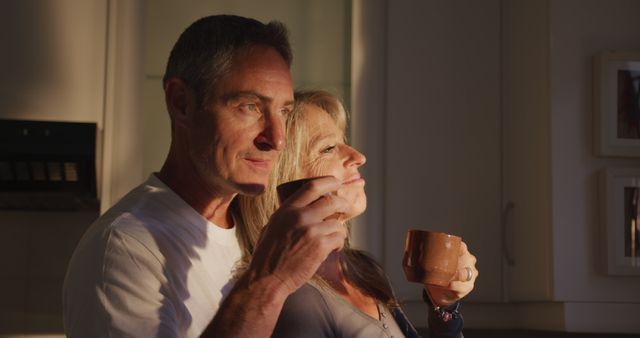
(315, 311)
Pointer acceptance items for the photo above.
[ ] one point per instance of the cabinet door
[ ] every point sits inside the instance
(443, 133)
(54, 65)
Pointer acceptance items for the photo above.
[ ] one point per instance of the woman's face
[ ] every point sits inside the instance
(329, 155)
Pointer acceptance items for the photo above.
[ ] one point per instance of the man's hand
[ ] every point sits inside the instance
(297, 239)
(301, 234)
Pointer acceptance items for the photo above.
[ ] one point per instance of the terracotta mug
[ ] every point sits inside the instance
(285, 190)
(430, 257)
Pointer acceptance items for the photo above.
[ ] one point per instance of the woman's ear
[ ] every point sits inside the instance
(179, 99)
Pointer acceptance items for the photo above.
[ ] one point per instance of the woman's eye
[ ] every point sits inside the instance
(328, 150)
(285, 112)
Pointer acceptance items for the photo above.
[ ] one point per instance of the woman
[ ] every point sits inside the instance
(350, 295)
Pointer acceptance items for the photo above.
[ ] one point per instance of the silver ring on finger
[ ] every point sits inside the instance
(469, 274)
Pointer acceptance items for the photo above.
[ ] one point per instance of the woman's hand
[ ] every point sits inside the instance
(462, 283)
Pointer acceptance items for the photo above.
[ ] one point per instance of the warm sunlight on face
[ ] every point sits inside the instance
(329, 155)
(237, 138)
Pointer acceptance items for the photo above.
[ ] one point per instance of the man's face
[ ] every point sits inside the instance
(236, 138)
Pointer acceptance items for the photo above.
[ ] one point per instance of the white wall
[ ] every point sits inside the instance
(442, 132)
(526, 148)
(579, 29)
(368, 94)
(120, 166)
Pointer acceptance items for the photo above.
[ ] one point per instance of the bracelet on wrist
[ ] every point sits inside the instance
(445, 313)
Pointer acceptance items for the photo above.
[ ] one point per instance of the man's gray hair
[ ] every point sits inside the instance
(205, 50)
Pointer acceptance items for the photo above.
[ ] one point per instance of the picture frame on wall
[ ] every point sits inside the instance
(617, 103)
(620, 219)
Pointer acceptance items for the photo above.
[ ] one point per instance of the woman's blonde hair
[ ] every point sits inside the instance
(254, 212)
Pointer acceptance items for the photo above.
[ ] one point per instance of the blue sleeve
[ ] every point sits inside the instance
(438, 327)
(441, 328)
(404, 324)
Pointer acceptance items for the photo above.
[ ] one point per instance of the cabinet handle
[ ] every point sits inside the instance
(508, 208)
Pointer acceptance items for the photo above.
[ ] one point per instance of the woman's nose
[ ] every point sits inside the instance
(354, 157)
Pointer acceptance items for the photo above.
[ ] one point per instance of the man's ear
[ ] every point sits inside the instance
(179, 99)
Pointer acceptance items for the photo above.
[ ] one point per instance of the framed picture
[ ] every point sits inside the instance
(620, 218)
(617, 103)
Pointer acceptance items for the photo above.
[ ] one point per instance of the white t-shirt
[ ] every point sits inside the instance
(151, 266)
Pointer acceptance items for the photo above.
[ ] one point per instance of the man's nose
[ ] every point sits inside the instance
(272, 136)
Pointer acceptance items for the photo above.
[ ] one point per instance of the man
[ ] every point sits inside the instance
(161, 261)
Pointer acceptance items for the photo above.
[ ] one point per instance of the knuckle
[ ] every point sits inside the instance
(323, 201)
(310, 233)
(313, 186)
(331, 199)
(298, 217)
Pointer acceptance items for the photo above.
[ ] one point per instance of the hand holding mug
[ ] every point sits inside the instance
(462, 283)
(287, 189)
(301, 234)
(442, 263)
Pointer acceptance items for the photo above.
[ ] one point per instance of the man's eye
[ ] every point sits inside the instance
(249, 107)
